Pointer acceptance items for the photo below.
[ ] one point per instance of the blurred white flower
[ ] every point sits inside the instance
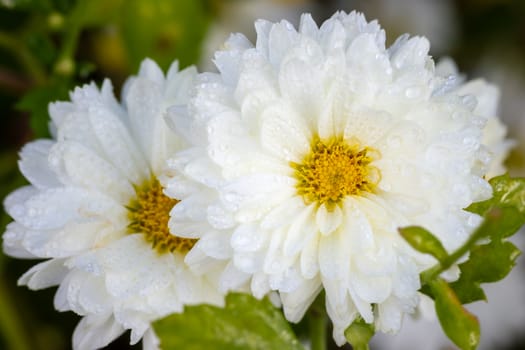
(310, 149)
(95, 209)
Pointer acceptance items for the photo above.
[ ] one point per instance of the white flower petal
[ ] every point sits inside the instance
(144, 102)
(34, 165)
(281, 37)
(297, 302)
(390, 316)
(368, 62)
(282, 213)
(300, 232)
(308, 26)
(115, 261)
(310, 258)
(228, 60)
(260, 285)
(84, 168)
(284, 134)
(14, 202)
(151, 71)
(247, 238)
(328, 220)
(12, 241)
(53, 208)
(371, 289)
(96, 331)
(44, 275)
(150, 341)
(216, 245)
(232, 278)
(334, 262)
(118, 145)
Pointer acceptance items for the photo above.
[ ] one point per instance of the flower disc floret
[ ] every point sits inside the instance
(333, 170)
(149, 213)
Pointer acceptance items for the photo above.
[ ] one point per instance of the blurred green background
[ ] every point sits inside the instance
(49, 46)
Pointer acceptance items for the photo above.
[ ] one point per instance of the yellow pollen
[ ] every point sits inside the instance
(148, 213)
(332, 170)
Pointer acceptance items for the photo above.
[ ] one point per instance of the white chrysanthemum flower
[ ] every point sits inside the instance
(310, 149)
(96, 211)
(487, 100)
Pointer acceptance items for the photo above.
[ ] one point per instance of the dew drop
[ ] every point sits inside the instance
(413, 92)
(479, 122)
(394, 141)
(469, 101)
(460, 191)
(309, 50)
(473, 221)
(456, 115)
(230, 197)
(484, 156)
(385, 186)
(470, 141)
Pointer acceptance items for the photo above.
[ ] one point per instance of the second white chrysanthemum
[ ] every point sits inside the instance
(310, 149)
(96, 210)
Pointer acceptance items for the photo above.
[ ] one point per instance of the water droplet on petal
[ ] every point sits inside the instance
(413, 92)
(469, 101)
(394, 141)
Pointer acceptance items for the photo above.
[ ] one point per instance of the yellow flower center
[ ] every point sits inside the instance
(149, 213)
(334, 169)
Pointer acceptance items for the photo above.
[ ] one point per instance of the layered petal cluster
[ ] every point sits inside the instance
(309, 149)
(487, 98)
(88, 207)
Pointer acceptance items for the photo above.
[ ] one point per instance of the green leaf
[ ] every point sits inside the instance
(36, 102)
(163, 30)
(500, 222)
(244, 323)
(359, 333)
(507, 191)
(424, 241)
(459, 325)
(487, 263)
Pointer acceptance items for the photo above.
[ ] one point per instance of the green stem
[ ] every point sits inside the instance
(28, 62)
(10, 324)
(317, 324)
(65, 64)
(447, 262)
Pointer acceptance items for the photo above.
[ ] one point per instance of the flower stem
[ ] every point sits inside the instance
(446, 263)
(317, 323)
